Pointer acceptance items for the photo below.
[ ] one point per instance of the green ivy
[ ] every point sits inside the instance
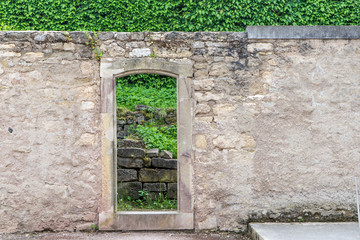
(174, 15)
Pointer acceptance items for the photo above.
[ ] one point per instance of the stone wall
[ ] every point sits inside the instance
(276, 133)
(142, 114)
(140, 169)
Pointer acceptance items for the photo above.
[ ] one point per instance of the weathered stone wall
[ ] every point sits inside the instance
(141, 169)
(275, 129)
(142, 114)
(49, 134)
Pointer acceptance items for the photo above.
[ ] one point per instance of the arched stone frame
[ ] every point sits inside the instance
(109, 218)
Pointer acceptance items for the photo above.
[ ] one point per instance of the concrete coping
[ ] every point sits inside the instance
(303, 32)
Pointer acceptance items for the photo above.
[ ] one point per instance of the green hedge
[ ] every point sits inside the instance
(173, 15)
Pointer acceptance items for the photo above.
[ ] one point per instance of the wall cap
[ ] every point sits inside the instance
(303, 32)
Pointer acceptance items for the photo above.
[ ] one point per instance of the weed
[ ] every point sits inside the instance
(67, 36)
(94, 45)
(94, 227)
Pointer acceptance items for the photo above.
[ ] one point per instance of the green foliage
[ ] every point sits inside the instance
(4, 27)
(146, 89)
(94, 45)
(174, 15)
(148, 80)
(155, 136)
(153, 90)
(146, 203)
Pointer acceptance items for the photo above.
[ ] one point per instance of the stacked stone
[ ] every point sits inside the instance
(145, 170)
(141, 115)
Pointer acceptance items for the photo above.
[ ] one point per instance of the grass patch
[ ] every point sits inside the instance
(155, 136)
(146, 203)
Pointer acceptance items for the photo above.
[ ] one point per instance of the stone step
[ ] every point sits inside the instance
(128, 143)
(305, 231)
(131, 152)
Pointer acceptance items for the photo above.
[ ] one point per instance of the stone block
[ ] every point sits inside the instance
(139, 36)
(202, 109)
(128, 143)
(60, 37)
(154, 187)
(129, 189)
(69, 46)
(200, 141)
(86, 139)
(172, 190)
(198, 45)
(87, 105)
(204, 84)
(126, 175)
(9, 54)
(7, 46)
(121, 122)
(131, 152)
(79, 37)
(218, 69)
(140, 52)
(135, 45)
(103, 36)
(166, 154)
(130, 162)
(40, 37)
(86, 68)
(122, 134)
(157, 175)
(259, 47)
(140, 119)
(164, 163)
(156, 195)
(153, 152)
(122, 36)
(113, 50)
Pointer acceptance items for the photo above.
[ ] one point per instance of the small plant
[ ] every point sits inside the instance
(67, 36)
(153, 55)
(94, 227)
(94, 45)
(161, 202)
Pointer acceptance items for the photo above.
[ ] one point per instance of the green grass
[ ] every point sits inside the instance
(146, 203)
(157, 136)
(130, 96)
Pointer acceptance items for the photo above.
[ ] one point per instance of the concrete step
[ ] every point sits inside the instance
(305, 231)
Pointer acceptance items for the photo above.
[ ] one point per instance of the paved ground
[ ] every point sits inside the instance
(306, 231)
(124, 236)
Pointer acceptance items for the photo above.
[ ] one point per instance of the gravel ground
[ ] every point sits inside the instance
(124, 236)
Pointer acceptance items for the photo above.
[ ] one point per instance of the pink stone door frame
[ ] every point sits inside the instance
(109, 218)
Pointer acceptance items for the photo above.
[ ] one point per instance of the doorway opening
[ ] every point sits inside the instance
(109, 216)
(146, 121)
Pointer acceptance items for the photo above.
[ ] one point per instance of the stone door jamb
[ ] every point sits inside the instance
(109, 218)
